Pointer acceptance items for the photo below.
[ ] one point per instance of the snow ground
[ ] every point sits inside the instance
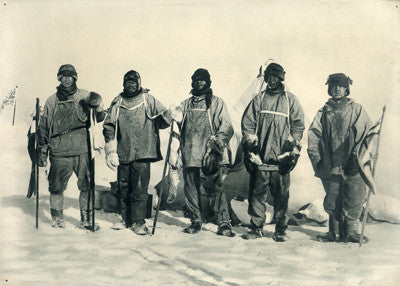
(72, 256)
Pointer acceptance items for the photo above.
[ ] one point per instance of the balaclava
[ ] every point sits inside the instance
(132, 75)
(207, 91)
(64, 93)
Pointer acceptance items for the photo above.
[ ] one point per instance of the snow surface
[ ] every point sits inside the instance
(72, 256)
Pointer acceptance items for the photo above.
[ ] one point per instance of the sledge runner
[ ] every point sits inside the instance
(131, 132)
(63, 136)
(273, 120)
(333, 141)
(205, 132)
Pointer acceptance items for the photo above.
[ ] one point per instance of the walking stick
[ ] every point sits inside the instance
(91, 170)
(15, 108)
(365, 214)
(163, 175)
(36, 154)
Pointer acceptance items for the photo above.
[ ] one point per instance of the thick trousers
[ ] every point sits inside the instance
(262, 183)
(344, 198)
(133, 182)
(61, 169)
(205, 195)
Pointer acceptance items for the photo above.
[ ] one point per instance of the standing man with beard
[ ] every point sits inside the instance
(273, 119)
(333, 140)
(204, 121)
(131, 132)
(63, 133)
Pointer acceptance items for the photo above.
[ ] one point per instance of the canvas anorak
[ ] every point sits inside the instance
(139, 120)
(267, 116)
(63, 125)
(335, 136)
(198, 124)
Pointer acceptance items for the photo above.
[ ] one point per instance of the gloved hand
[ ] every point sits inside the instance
(251, 142)
(42, 156)
(112, 160)
(100, 108)
(216, 144)
(42, 159)
(255, 159)
(176, 112)
(95, 100)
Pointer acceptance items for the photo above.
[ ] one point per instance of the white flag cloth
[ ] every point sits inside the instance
(9, 100)
(368, 153)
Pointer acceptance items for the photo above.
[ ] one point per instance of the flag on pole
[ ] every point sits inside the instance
(367, 154)
(10, 99)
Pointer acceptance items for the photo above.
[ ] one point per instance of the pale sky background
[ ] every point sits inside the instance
(166, 41)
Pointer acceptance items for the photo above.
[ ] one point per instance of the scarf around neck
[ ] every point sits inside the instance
(338, 104)
(278, 90)
(64, 93)
(196, 92)
(127, 94)
(199, 95)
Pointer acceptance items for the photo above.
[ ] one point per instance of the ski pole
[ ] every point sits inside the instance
(15, 106)
(92, 180)
(36, 162)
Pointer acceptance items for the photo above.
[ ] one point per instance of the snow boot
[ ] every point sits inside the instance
(327, 237)
(119, 225)
(57, 219)
(280, 236)
(330, 236)
(254, 233)
(225, 229)
(140, 229)
(354, 237)
(351, 234)
(86, 221)
(195, 227)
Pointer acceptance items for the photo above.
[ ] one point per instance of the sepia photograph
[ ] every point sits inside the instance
(200, 142)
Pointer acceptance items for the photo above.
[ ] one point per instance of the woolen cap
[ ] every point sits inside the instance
(67, 70)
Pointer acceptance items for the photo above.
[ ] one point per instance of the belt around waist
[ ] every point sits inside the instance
(268, 167)
(67, 131)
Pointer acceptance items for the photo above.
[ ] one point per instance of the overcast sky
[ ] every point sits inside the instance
(167, 41)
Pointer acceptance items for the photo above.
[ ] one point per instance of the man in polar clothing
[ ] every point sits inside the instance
(206, 129)
(273, 120)
(63, 134)
(333, 140)
(131, 132)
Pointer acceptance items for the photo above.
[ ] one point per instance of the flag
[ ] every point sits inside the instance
(9, 100)
(367, 154)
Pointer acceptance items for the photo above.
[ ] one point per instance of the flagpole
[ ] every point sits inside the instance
(15, 104)
(365, 214)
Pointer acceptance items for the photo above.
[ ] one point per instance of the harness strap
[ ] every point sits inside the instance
(134, 107)
(116, 118)
(287, 115)
(198, 109)
(67, 131)
(145, 110)
(274, 112)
